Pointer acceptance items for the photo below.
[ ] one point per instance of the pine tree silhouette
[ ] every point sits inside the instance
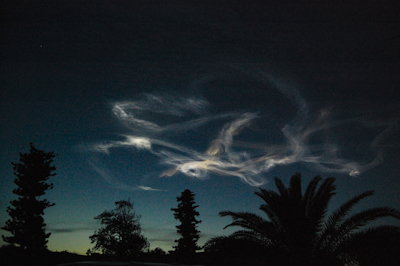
(27, 224)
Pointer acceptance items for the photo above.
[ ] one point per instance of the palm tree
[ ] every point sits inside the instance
(297, 226)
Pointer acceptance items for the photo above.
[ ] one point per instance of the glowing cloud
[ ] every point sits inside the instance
(155, 118)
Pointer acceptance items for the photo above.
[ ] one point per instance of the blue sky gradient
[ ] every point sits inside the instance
(144, 99)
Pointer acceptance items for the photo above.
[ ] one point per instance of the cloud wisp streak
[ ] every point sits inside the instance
(156, 120)
(70, 228)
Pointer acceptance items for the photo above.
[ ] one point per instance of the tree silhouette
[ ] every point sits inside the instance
(376, 248)
(298, 228)
(157, 255)
(225, 250)
(27, 224)
(186, 213)
(121, 232)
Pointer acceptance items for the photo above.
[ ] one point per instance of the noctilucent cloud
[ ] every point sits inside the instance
(155, 120)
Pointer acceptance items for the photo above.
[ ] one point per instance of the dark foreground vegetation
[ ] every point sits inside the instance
(235, 253)
(295, 228)
(298, 230)
(14, 256)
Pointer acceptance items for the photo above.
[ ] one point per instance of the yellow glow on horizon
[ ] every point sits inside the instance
(76, 242)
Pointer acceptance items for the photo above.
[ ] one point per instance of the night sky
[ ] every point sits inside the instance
(144, 99)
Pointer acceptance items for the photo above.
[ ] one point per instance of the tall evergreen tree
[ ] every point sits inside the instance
(27, 224)
(186, 213)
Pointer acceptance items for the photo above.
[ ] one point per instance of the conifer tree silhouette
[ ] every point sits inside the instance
(27, 225)
(186, 213)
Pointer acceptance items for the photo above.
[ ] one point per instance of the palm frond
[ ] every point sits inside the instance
(325, 191)
(244, 234)
(354, 222)
(274, 206)
(310, 192)
(253, 236)
(320, 201)
(336, 217)
(298, 222)
(281, 188)
(295, 192)
(345, 208)
(273, 217)
(271, 198)
(367, 237)
(267, 195)
(214, 240)
(246, 220)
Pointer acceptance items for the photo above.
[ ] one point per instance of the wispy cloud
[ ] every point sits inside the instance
(71, 228)
(161, 236)
(156, 120)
